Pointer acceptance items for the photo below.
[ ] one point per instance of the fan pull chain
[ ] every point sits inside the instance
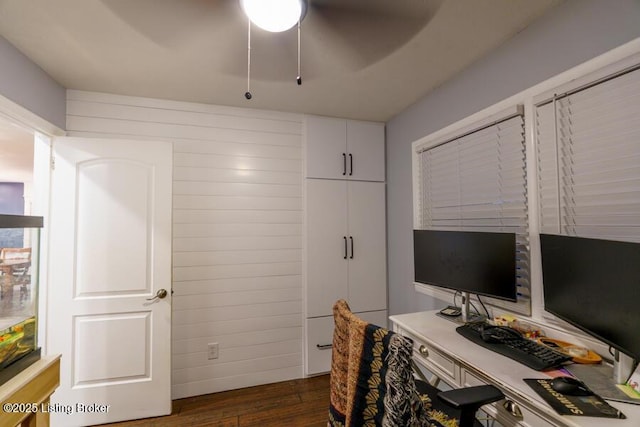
(247, 94)
(299, 78)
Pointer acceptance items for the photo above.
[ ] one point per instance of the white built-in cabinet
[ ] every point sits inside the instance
(344, 149)
(345, 237)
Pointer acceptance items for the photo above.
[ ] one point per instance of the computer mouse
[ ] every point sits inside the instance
(570, 386)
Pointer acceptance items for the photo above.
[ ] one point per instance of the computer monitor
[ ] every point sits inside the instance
(594, 285)
(482, 263)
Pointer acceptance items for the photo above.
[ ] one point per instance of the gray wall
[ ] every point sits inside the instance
(568, 35)
(24, 83)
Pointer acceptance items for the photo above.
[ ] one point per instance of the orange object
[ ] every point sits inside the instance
(578, 354)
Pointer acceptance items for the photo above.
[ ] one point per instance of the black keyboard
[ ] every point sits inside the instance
(510, 343)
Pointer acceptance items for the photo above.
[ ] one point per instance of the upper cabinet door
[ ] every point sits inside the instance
(365, 151)
(344, 149)
(326, 147)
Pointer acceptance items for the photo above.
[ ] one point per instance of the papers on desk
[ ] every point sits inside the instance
(589, 406)
(633, 385)
(599, 378)
(629, 391)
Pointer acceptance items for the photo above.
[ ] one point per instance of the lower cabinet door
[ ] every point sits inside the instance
(319, 336)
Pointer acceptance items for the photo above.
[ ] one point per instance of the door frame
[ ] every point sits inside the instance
(43, 133)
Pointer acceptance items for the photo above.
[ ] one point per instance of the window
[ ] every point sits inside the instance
(588, 143)
(476, 181)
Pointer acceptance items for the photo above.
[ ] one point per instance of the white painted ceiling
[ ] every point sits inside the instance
(364, 59)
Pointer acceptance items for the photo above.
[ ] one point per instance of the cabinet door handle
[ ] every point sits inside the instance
(351, 238)
(350, 164)
(324, 346)
(345, 246)
(344, 164)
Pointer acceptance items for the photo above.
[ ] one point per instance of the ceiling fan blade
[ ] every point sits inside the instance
(215, 28)
(175, 22)
(366, 31)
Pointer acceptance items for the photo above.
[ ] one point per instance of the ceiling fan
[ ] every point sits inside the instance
(336, 36)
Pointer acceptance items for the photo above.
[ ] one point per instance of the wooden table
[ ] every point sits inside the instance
(30, 390)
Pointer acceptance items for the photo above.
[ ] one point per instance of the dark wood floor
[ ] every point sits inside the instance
(303, 402)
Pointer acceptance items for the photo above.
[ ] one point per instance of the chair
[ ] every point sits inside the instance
(372, 381)
(17, 274)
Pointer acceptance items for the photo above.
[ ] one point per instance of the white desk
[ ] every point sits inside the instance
(461, 363)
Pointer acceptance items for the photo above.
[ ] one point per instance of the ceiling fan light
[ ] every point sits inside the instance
(273, 15)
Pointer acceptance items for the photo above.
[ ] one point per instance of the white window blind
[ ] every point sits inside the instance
(589, 161)
(477, 182)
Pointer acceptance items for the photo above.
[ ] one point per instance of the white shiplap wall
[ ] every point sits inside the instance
(237, 233)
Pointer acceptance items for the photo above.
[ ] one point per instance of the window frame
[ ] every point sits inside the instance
(601, 67)
(523, 304)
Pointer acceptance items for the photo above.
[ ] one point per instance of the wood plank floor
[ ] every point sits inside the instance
(303, 402)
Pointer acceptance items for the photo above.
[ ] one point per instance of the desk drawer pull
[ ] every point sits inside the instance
(324, 346)
(513, 408)
(424, 351)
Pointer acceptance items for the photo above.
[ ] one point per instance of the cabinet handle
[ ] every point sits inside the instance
(344, 164)
(513, 408)
(350, 164)
(351, 238)
(345, 246)
(324, 346)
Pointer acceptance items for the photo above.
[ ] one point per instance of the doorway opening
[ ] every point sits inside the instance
(16, 196)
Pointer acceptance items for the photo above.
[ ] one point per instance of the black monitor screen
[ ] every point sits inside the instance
(594, 285)
(482, 263)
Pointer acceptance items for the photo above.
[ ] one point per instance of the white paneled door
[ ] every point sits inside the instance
(109, 304)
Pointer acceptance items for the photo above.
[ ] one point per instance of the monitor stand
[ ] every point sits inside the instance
(623, 367)
(467, 316)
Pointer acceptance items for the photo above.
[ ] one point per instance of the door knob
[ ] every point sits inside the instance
(159, 295)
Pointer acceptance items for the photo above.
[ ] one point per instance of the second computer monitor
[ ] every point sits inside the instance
(594, 284)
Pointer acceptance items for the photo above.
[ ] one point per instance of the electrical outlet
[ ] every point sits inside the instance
(212, 350)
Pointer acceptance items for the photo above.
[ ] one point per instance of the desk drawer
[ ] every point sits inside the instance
(434, 360)
(516, 414)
